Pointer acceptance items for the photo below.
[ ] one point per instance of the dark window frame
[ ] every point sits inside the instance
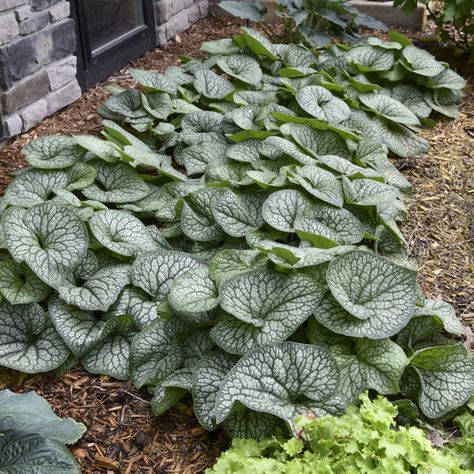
(113, 56)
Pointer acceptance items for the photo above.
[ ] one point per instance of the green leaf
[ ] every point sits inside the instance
(19, 285)
(238, 214)
(389, 108)
(31, 413)
(289, 148)
(370, 59)
(369, 286)
(412, 98)
(155, 353)
(28, 452)
(318, 182)
(207, 379)
(245, 10)
(445, 312)
(420, 62)
(402, 141)
(153, 272)
(153, 81)
(116, 183)
(121, 232)
(100, 291)
(244, 68)
(264, 381)
(447, 378)
(230, 262)
(320, 103)
(51, 239)
(105, 150)
(196, 158)
(269, 307)
(28, 340)
(221, 46)
(211, 85)
(192, 291)
(258, 43)
(53, 152)
(110, 355)
(368, 192)
(447, 79)
(246, 423)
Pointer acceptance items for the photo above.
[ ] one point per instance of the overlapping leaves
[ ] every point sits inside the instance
(238, 204)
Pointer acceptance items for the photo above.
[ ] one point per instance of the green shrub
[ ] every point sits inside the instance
(454, 20)
(236, 236)
(363, 441)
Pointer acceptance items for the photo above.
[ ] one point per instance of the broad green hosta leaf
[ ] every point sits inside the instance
(258, 43)
(363, 363)
(229, 174)
(103, 149)
(265, 381)
(320, 103)
(155, 353)
(269, 307)
(290, 149)
(116, 183)
(154, 272)
(282, 208)
(318, 182)
(197, 220)
(100, 291)
(193, 291)
(195, 158)
(389, 108)
(447, 378)
(22, 452)
(411, 97)
(317, 142)
(246, 423)
(200, 127)
(51, 239)
(447, 79)
(252, 150)
(260, 98)
(36, 186)
(207, 379)
(402, 141)
(370, 59)
(31, 413)
(368, 192)
(121, 232)
(211, 85)
(111, 353)
(158, 104)
(244, 68)
(53, 152)
(28, 341)
(443, 311)
(80, 330)
(230, 262)
(239, 214)
(421, 62)
(154, 81)
(346, 167)
(369, 286)
(19, 285)
(245, 117)
(326, 226)
(221, 46)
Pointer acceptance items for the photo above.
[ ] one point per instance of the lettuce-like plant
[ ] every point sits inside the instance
(236, 236)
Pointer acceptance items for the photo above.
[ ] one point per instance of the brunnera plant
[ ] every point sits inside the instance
(236, 236)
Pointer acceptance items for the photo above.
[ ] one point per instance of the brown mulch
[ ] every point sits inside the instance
(123, 436)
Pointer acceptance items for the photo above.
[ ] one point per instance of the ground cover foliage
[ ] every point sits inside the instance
(236, 236)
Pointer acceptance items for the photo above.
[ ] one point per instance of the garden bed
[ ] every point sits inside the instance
(122, 435)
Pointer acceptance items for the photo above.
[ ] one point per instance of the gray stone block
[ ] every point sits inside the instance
(25, 92)
(22, 13)
(166, 9)
(22, 59)
(33, 114)
(64, 96)
(204, 8)
(8, 27)
(194, 14)
(5, 76)
(62, 72)
(55, 43)
(177, 24)
(59, 12)
(13, 125)
(33, 24)
(42, 4)
(8, 4)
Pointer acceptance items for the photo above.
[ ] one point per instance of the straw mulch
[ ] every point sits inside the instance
(123, 436)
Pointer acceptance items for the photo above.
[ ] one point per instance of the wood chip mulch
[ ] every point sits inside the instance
(123, 436)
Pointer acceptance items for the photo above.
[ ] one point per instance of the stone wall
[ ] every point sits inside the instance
(37, 67)
(175, 16)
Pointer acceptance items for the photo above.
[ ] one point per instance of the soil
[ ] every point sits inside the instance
(122, 435)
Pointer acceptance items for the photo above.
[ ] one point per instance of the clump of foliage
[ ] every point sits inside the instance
(454, 20)
(364, 440)
(313, 22)
(236, 236)
(33, 438)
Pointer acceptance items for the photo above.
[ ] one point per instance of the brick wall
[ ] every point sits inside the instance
(37, 67)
